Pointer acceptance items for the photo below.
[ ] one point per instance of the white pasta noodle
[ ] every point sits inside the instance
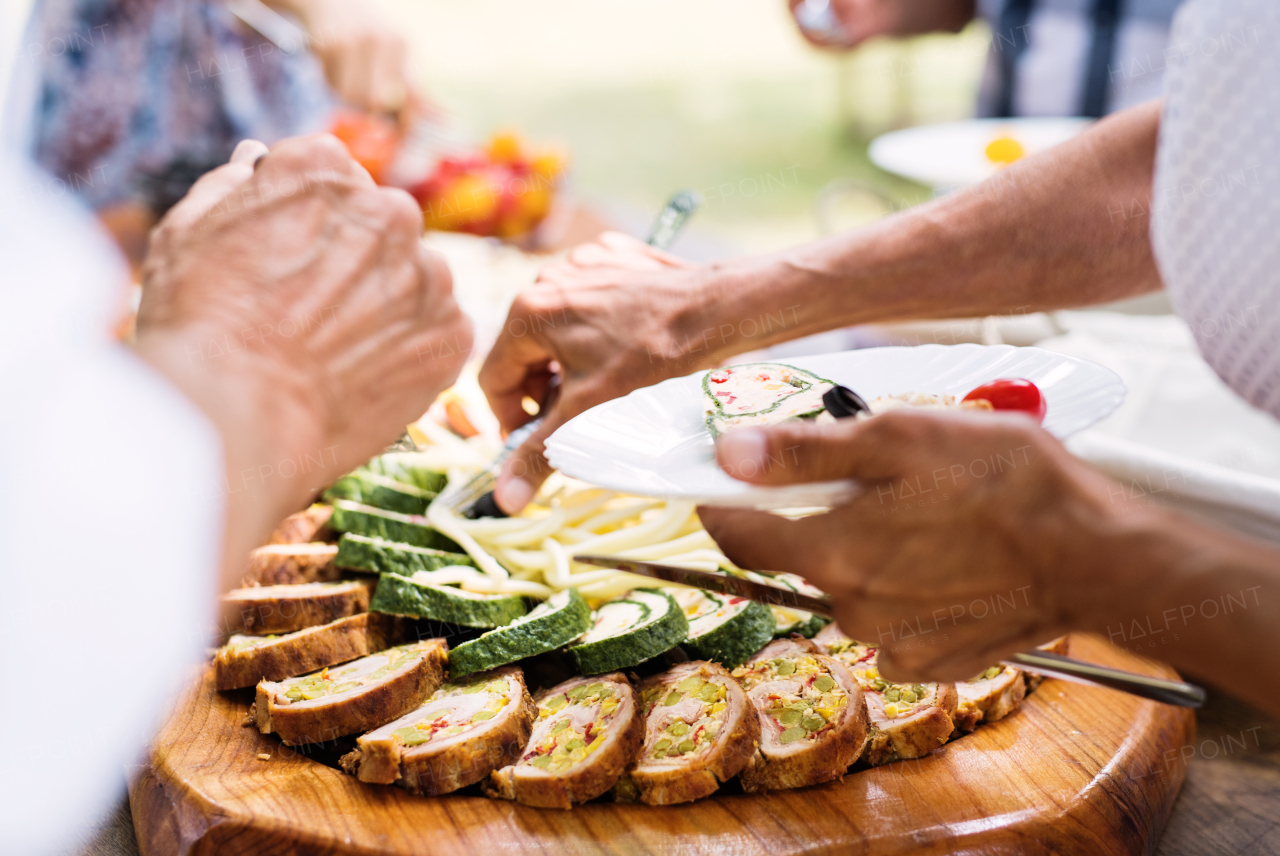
(532, 553)
(488, 585)
(488, 527)
(574, 535)
(656, 529)
(535, 533)
(557, 573)
(445, 521)
(524, 560)
(472, 580)
(694, 541)
(698, 560)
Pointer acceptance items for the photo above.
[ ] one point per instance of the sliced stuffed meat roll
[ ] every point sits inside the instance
(791, 645)
(261, 610)
(587, 733)
(700, 731)
(1056, 646)
(292, 564)
(355, 697)
(467, 729)
(310, 524)
(907, 720)
(813, 719)
(245, 660)
(988, 696)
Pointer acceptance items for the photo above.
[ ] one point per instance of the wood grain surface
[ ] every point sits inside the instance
(1074, 770)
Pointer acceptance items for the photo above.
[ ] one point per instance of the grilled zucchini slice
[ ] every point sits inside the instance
(402, 596)
(379, 556)
(560, 619)
(373, 522)
(380, 492)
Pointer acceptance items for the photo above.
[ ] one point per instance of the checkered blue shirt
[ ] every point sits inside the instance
(1073, 57)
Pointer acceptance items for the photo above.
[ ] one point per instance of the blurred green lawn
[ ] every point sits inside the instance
(718, 95)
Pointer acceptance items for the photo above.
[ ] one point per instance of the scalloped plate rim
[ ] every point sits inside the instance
(598, 445)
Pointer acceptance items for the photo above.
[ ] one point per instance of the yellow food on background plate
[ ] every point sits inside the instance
(1004, 151)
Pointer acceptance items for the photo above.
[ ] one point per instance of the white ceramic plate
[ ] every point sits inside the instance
(653, 441)
(953, 154)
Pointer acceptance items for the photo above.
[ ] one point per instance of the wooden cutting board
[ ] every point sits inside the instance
(1074, 770)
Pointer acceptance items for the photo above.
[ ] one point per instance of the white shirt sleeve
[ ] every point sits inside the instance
(1216, 208)
(110, 526)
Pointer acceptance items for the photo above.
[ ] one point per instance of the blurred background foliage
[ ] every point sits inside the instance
(722, 96)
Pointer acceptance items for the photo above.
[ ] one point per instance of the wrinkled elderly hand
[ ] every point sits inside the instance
(608, 320)
(847, 23)
(855, 21)
(976, 534)
(366, 61)
(296, 305)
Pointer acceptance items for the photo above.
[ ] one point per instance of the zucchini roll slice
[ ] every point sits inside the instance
(630, 629)
(723, 628)
(754, 394)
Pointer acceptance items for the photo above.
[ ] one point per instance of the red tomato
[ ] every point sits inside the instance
(1012, 394)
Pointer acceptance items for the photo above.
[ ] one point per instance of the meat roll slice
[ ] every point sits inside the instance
(291, 564)
(988, 696)
(359, 696)
(282, 609)
(700, 730)
(1057, 646)
(813, 718)
(311, 524)
(587, 733)
(907, 720)
(467, 729)
(245, 660)
(790, 646)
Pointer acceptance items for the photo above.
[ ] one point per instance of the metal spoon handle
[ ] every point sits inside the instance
(1080, 672)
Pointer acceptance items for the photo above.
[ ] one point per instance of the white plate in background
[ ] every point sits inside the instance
(954, 154)
(653, 441)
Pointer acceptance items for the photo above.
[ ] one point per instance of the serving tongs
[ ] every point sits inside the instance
(1036, 662)
(475, 498)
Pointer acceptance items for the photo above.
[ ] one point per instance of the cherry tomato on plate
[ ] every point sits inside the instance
(1012, 394)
